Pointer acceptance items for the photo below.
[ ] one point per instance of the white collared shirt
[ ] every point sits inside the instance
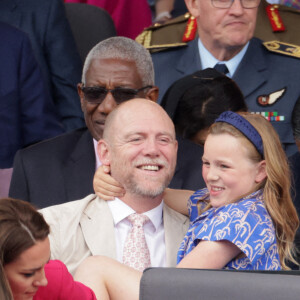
(98, 162)
(209, 61)
(154, 230)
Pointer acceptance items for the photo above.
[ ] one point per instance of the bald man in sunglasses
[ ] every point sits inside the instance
(62, 169)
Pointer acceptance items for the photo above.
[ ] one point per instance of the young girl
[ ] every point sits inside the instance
(26, 272)
(244, 219)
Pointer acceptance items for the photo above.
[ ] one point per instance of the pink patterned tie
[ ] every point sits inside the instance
(136, 253)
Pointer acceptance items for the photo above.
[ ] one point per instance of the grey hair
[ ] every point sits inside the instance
(125, 49)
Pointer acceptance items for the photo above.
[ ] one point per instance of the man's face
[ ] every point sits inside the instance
(110, 74)
(143, 151)
(223, 28)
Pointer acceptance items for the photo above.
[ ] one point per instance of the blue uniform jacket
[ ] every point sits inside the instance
(259, 74)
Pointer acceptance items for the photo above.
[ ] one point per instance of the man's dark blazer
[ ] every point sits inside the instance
(294, 162)
(62, 169)
(46, 24)
(27, 114)
(260, 73)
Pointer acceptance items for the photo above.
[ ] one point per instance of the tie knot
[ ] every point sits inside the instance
(138, 219)
(222, 68)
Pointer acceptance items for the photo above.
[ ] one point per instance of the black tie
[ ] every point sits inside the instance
(222, 68)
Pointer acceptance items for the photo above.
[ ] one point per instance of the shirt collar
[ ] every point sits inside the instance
(209, 61)
(98, 162)
(121, 211)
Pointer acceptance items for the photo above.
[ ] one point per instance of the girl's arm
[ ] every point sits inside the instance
(210, 255)
(177, 199)
(107, 188)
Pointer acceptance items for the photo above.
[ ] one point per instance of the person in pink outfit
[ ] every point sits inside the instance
(24, 258)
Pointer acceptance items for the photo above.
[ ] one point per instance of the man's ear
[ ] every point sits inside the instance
(152, 94)
(103, 152)
(261, 172)
(193, 7)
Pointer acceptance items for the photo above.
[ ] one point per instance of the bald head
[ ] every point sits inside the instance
(140, 146)
(135, 109)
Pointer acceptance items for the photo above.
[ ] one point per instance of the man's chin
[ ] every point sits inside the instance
(151, 191)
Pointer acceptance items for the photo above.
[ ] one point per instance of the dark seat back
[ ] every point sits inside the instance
(90, 25)
(194, 284)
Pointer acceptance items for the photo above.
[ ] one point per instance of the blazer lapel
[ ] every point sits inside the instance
(98, 229)
(176, 226)
(189, 61)
(79, 169)
(252, 71)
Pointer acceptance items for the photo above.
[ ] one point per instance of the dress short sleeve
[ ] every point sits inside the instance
(246, 224)
(196, 201)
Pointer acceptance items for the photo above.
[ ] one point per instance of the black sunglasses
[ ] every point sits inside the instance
(96, 94)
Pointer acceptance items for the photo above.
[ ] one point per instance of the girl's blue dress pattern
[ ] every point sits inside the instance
(245, 223)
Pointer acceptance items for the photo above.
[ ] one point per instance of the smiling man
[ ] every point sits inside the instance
(62, 169)
(267, 74)
(141, 150)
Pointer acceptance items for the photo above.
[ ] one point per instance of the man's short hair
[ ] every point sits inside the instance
(125, 49)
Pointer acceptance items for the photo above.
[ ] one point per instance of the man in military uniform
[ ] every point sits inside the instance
(268, 75)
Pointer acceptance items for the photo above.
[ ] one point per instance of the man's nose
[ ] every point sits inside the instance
(108, 104)
(236, 7)
(151, 147)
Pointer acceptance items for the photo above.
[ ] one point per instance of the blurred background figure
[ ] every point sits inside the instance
(53, 45)
(27, 114)
(194, 102)
(165, 10)
(130, 17)
(290, 3)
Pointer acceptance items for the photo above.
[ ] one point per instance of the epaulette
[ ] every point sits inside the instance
(275, 18)
(283, 48)
(174, 33)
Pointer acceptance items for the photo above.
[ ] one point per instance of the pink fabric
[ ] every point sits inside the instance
(61, 285)
(130, 16)
(136, 252)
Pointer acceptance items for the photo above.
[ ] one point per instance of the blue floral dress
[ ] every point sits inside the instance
(245, 223)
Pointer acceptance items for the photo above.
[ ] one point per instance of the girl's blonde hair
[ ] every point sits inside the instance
(276, 187)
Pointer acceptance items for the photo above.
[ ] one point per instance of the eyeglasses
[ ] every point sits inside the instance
(96, 94)
(228, 3)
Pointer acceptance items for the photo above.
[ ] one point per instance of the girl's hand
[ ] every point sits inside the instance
(106, 187)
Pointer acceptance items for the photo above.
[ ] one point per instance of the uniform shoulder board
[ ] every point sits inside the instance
(174, 33)
(283, 48)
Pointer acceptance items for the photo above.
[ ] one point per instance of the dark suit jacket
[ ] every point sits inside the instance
(62, 169)
(294, 161)
(55, 171)
(27, 114)
(260, 72)
(47, 27)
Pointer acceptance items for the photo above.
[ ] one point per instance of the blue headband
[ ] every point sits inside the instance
(244, 127)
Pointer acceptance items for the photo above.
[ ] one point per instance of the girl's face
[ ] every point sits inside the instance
(26, 274)
(228, 172)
